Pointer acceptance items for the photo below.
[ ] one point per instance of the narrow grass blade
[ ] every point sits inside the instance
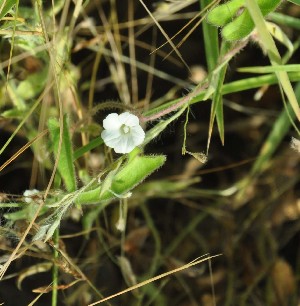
(88, 147)
(6, 6)
(269, 45)
(280, 128)
(217, 101)
(211, 40)
(295, 1)
(270, 69)
(217, 108)
(65, 164)
(286, 20)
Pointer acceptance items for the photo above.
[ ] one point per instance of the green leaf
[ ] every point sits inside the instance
(239, 28)
(65, 164)
(13, 113)
(51, 223)
(26, 213)
(279, 129)
(211, 41)
(235, 18)
(295, 1)
(130, 175)
(6, 8)
(88, 147)
(270, 69)
(217, 101)
(224, 13)
(135, 172)
(286, 20)
(32, 85)
(280, 36)
(274, 56)
(107, 184)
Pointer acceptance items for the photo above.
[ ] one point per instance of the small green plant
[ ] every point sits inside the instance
(90, 155)
(235, 19)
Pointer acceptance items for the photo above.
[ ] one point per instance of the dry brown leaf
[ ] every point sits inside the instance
(283, 280)
(288, 210)
(217, 276)
(208, 300)
(136, 239)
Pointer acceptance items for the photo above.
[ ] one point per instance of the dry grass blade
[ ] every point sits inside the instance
(148, 281)
(60, 287)
(165, 34)
(5, 164)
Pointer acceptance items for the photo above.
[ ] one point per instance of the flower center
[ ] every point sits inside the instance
(125, 129)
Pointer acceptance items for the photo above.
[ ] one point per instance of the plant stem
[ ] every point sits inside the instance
(55, 269)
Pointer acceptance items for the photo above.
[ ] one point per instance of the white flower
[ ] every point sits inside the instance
(122, 132)
(28, 195)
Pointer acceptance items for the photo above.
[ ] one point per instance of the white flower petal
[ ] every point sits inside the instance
(28, 195)
(112, 122)
(138, 135)
(126, 145)
(129, 119)
(111, 137)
